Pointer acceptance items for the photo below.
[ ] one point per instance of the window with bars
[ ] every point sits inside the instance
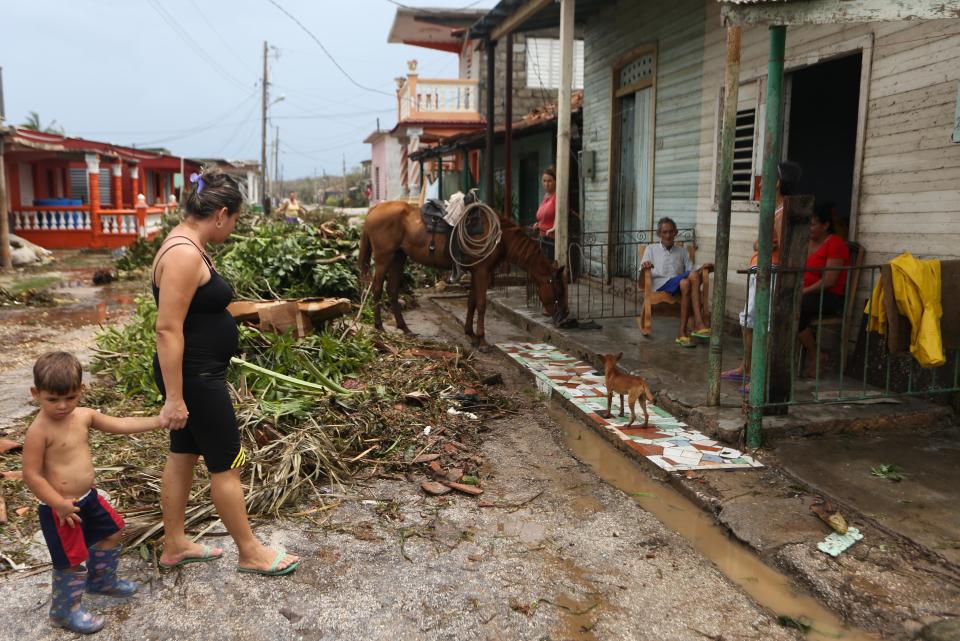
(745, 142)
(543, 63)
(78, 184)
(743, 145)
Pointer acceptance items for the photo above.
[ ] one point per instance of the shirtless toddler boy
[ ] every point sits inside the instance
(77, 522)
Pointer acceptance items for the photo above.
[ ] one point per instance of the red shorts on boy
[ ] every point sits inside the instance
(68, 545)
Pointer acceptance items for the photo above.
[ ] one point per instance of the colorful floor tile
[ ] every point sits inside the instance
(666, 441)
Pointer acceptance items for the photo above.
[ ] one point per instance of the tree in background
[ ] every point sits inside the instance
(328, 190)
(33, 123)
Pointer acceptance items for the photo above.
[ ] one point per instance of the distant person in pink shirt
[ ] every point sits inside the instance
(547, 212)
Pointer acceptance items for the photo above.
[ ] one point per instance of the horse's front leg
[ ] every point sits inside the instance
(471, 308)
(480, 282)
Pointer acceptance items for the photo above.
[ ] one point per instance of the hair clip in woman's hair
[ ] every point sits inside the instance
(197, 179)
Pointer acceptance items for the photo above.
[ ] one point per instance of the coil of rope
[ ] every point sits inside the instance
(479, 247)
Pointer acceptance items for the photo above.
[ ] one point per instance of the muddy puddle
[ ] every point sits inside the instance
(766, 586)
(78, 302)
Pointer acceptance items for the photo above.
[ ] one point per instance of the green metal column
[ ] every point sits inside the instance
(768, 204)
(718, 307)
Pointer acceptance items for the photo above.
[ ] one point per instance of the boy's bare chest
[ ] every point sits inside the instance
(67, 443)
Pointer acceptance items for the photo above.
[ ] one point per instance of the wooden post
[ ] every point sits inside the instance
(768, 203)
(491, 50)
(794, 235)
(264, 199)
(731, 87)
(6, 260)
(563, 130)
(508, 133)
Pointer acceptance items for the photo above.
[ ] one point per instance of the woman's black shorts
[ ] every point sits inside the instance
(810, 307)
(211, 429)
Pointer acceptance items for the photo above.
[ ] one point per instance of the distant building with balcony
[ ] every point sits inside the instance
(430, 110)
(72, 193)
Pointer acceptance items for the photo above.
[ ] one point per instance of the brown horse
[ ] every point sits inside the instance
(394, 231)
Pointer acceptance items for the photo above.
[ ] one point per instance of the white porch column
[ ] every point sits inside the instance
(563, 130)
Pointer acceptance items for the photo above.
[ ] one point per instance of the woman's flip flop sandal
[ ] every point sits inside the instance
(206, 556)
(273, 571)
(734, 375)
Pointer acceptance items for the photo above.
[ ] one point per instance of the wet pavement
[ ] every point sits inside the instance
(921, 507)
(768, 510)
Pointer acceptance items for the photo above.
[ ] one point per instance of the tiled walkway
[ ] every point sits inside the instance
(667, 442)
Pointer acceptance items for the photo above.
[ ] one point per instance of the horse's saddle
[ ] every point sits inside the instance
(432, 213)
(434, 210)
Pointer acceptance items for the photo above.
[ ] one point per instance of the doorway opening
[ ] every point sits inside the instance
(529, 187)
(821, 105)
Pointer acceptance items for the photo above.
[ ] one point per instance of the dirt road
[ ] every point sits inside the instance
(562, 556)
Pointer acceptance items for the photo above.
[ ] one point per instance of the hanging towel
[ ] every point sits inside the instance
(916, 289)
(455, 209)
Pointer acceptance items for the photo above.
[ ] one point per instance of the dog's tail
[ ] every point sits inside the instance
(647, 392)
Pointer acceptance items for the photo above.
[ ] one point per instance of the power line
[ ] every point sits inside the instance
(235, 132)
(194, 45)
(212, 124)
(329, 55)
(372, 112)
(214, 29)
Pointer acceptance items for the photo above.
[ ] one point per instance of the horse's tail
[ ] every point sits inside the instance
(365, 251)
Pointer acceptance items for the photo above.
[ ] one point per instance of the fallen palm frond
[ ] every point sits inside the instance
(312, 412)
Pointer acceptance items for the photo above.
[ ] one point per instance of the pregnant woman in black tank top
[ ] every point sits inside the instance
(196, 336)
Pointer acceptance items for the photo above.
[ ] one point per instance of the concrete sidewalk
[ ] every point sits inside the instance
(679, 378)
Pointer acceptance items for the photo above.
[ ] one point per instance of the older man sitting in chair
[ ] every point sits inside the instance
(673, 272)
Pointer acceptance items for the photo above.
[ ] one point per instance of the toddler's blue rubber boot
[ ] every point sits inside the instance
(102, 574)
(66, 610)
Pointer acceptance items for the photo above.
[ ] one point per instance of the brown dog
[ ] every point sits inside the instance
(618, 381)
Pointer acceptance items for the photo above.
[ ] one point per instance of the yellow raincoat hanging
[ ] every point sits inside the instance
(916, 287)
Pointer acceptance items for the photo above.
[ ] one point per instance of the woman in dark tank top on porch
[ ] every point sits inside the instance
(196, 336)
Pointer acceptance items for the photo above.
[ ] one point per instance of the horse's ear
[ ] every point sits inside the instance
(619, 356)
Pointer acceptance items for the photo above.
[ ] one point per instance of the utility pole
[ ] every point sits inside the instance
(343, 194)
(6, 260)
(276, 163)
(263, 136)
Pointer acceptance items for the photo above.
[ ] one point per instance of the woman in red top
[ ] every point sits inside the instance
(547, 212)
(825, 250)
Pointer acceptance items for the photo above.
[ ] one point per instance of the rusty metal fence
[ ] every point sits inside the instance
(861, 366)
(604, 269)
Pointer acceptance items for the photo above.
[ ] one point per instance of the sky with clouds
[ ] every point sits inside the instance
(184, 74)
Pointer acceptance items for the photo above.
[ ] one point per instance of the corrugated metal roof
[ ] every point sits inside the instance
(547, 17)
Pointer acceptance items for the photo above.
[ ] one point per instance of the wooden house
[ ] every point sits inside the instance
(870, 114)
